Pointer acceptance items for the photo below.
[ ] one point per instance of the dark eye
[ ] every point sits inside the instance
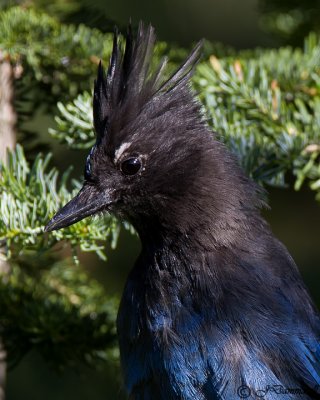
(130, 166)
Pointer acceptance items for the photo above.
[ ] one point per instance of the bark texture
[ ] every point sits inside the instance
(8, 120)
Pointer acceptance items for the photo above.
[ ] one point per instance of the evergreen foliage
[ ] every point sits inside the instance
(59, 311)
(60, 58)
(29, 196)
(42, 302)
(75, 122)
(265, 105)
(290, 20)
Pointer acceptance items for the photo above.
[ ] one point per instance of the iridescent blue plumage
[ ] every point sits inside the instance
(178, 344)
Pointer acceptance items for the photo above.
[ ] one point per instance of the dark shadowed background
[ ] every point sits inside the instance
(294, 217)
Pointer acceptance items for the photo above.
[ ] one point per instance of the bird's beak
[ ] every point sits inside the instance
(85, 203)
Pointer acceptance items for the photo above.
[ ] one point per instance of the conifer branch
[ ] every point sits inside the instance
(63, 298)
(30, 196)
(266, 107)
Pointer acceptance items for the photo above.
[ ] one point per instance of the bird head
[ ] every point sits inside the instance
(154, 158)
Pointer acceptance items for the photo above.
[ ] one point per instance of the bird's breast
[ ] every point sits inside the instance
(161, 343)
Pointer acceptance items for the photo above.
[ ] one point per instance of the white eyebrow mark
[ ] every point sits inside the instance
(118, 153)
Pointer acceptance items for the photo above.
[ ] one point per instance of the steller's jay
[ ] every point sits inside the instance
(214, 307)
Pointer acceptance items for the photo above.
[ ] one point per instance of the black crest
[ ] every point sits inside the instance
(129, 81)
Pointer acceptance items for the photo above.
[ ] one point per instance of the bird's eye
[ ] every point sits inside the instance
(131, 166)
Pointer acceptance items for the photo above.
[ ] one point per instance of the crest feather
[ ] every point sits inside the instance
(128, 84)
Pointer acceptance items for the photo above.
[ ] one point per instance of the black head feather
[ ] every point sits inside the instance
(156, 162)
(129, 83)
(159, 121)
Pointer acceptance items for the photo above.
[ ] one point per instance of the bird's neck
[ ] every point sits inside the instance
(197, 257)
(182, 258)
(200, 229)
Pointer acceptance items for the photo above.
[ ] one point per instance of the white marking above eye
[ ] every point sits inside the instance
(118, 153)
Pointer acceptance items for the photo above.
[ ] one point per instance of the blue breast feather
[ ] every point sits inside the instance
(175, 345)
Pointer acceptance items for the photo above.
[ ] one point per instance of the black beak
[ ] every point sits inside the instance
(86, 203)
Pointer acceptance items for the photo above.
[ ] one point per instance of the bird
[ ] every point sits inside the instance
(214, 307)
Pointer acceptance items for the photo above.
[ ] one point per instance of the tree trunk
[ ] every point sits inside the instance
(8, 116)
(8, 119)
